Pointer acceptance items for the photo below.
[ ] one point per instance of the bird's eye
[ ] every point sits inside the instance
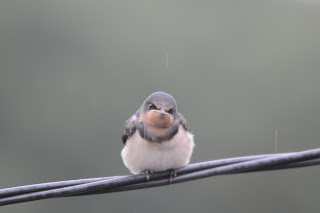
(152, 106)
(170, 111)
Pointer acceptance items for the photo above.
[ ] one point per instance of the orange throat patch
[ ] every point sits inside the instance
(158, 120)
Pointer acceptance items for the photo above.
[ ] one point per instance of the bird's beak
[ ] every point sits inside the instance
(162, 111)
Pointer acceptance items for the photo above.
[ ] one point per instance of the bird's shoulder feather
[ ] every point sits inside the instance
(183, 122)
(130, 127)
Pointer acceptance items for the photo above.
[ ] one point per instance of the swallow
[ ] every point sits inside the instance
(156, 137)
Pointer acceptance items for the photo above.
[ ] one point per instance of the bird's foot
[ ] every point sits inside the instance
(173, 174)
(147, 174)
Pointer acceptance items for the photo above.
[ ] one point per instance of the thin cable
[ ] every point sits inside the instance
(191, 172)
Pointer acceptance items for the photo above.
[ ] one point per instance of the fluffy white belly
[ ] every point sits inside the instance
(139, 155)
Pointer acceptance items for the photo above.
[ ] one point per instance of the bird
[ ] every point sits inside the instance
(156, 138)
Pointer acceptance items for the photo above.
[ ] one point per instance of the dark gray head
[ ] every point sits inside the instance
(160, 102)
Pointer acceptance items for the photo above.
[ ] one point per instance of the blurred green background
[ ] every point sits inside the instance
(72, 72)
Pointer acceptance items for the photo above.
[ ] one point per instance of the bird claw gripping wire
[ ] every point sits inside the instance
(173, 174)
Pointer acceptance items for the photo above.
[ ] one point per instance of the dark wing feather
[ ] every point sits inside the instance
(183, 122)
(130, 127)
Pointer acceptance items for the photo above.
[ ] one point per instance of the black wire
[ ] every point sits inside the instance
(191, 172)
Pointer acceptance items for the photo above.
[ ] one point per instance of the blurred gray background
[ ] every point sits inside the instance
(72, 72)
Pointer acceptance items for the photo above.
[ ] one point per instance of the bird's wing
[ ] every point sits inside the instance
(130, 127)
(183, 122)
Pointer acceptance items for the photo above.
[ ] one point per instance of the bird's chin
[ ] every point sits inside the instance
(159, 120)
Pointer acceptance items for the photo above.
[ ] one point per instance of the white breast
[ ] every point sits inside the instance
(140, 155)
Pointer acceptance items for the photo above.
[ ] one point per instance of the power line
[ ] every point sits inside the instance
(132, 182)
